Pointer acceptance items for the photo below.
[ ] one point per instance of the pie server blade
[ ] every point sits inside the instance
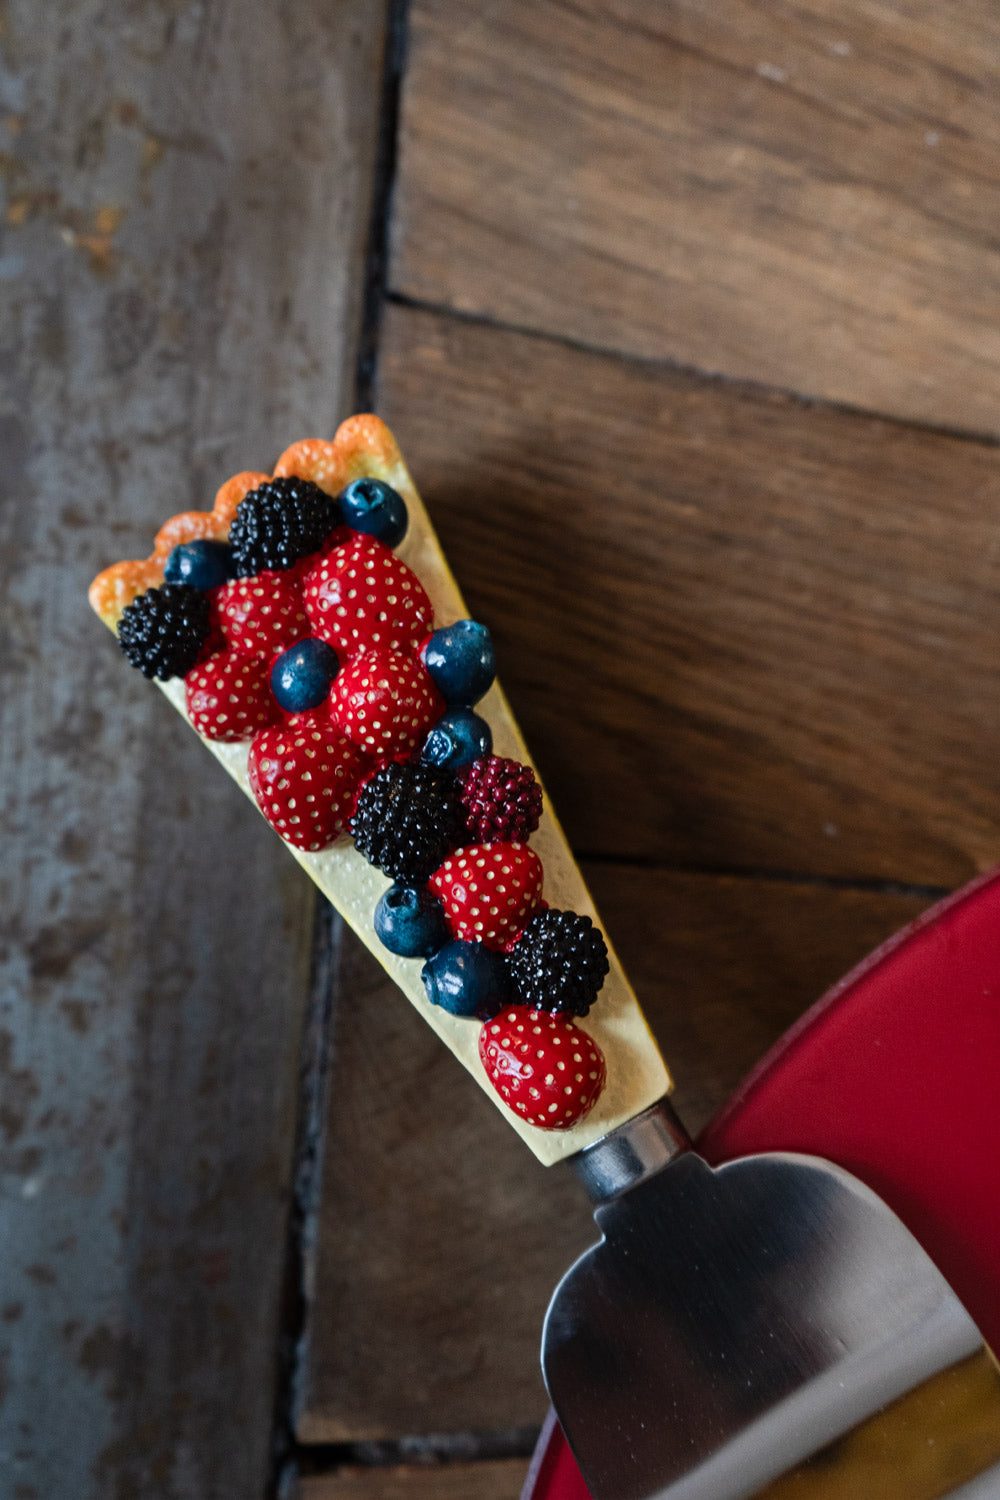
(734, 1321)
(892, 1074)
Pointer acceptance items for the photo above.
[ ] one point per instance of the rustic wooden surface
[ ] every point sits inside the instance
(747, 623)
(184, 225)
(799, 195)
(498, 1480)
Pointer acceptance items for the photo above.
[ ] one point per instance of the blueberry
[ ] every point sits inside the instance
(375, 508)
(201, 565)
(409, 921)
(467, 979)
(458, 738)
(461, 662)
(302, 675)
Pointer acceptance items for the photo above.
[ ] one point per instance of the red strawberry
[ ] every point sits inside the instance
(361, 596)
(385, 703)
(263, 615)
(304, 776)
(489, 892)
(229, 696)
(545, 1069)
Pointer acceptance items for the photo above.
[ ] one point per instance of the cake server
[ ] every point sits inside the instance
(766, 1307)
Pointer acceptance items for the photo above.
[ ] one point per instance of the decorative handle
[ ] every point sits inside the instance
(363, 448)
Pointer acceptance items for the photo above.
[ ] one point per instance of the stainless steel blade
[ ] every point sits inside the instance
(734, 1321)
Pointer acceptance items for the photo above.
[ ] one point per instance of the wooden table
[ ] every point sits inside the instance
(685, 318)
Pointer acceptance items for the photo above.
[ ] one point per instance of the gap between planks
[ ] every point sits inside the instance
(737, 384)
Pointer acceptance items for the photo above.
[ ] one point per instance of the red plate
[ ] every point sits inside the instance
(893, 1075)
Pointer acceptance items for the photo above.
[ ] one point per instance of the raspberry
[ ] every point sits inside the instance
(406, 819)
(559, 962)
(501, 798)
(163, 630)
(280, 522)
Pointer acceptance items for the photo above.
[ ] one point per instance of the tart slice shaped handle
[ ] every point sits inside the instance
(364, 448)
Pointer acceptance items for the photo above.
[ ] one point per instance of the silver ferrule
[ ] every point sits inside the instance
(643, 1145)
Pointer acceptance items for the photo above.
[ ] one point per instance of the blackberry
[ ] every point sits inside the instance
(280, 522)
(163, 630)
(407, 819)
(559, 963)
(501, 798)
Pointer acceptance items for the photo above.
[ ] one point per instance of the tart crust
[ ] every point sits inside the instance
(364, 447)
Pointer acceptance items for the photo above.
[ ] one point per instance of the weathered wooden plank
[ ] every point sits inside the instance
(738, 631)
(187, 202)
(500, 1480)
(439, 1237)
(805, 196)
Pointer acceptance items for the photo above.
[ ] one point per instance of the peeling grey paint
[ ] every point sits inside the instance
(184, 211)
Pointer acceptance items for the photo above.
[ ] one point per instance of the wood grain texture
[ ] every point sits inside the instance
(499, 1480)
(737, 631)
(187, 201)
(439, 1237)
(804, 195)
